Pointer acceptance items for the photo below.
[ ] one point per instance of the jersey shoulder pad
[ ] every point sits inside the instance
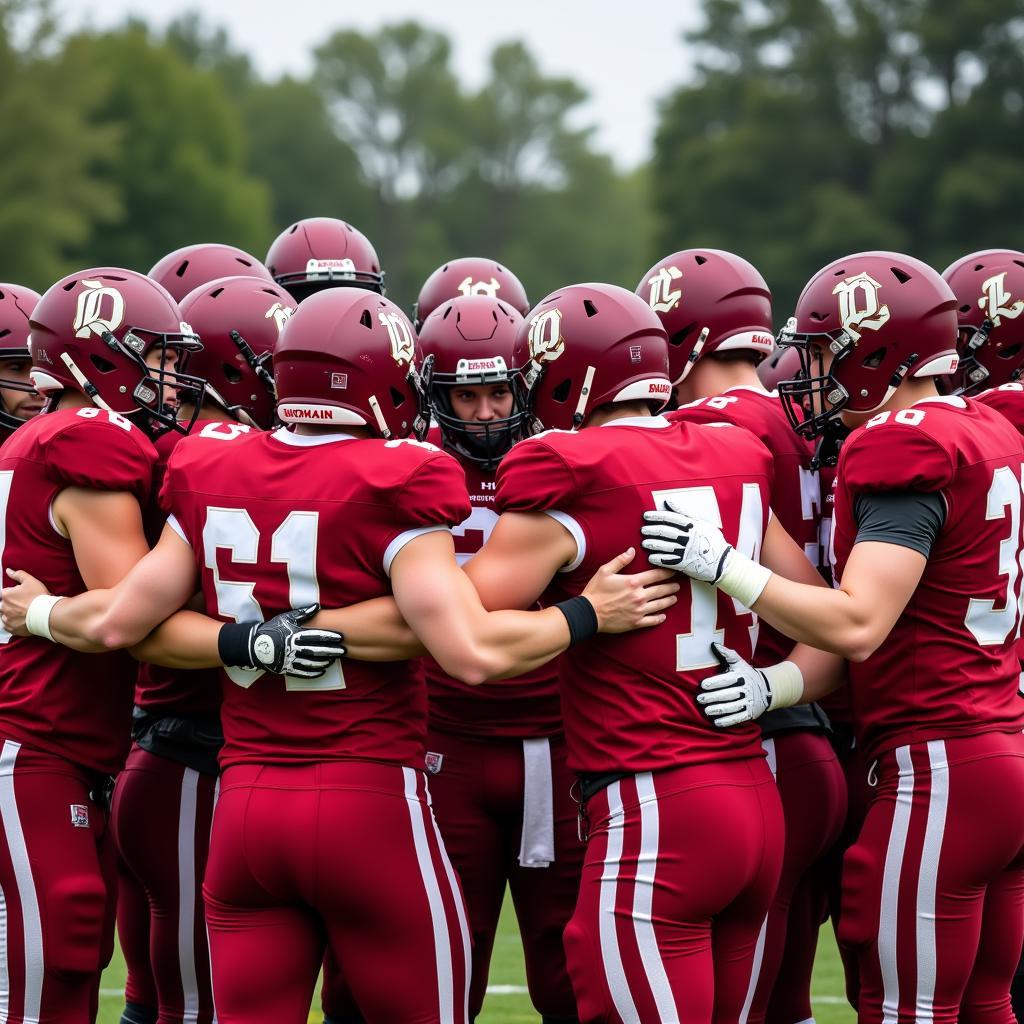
(538, 473)
(895, 451)
(434, 492)
(102, 451)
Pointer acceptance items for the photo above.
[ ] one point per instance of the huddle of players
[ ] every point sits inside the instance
(711, 854)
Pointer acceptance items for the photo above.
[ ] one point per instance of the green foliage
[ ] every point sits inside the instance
(815, 128)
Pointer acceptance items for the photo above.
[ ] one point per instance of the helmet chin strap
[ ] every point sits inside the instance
(382, 424)
(581, 405)
(84, 383)
(694, 355)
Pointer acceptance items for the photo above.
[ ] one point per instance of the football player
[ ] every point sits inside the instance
(185, 269)
(19, 400)
(926, 542)
(104, 346)
(496, 754)
(716, 308)
(164, 797)
(322, 833)
(685, 831)
(323, 252)
(469, 275)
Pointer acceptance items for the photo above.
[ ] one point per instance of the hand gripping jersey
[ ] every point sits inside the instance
(525, 707)
(171, 691)
(628, 700)
(949, 667)
(77, 706)
(795, 497)
(278, 520)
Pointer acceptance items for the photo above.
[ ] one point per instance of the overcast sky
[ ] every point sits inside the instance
(627, 55)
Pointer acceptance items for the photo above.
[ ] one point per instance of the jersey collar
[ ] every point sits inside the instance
(649, 422)
(954, 400)
(286, 436)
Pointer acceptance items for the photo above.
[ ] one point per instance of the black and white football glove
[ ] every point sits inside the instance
(280, 645)
(739, 693)
(676, 540)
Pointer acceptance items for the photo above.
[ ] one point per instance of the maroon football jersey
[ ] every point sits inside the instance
(948, 667)
(795, 496)
(629, 700)
(525, 707)
(1008, 400)
(279, 520)
(171, 691)
(77, 706)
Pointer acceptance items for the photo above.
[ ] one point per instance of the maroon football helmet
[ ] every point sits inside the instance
(469, 340)
(347, 357)
(587, 345)
(185, 269)
(709, 301)
(92, 331)
(239, 320)
(469, 275)
(782, 364)
(323, 252)
(884, 317)
(16, 305)
(989, 289)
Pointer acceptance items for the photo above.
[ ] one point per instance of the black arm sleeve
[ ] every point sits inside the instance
(911, 519)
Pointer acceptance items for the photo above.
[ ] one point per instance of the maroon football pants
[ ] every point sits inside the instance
(58, 878)
(161, 822)
(344, 855)
(479, 790)
(133, 938)
(813, 793)
(933, 889)
(680, 871)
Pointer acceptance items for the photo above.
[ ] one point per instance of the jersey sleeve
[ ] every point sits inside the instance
(1008, 400)
(894, 456)
(102, 456)
(534, 477)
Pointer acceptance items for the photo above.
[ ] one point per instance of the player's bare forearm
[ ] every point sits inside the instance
(374, 630)
(187, 640)
(823, 672)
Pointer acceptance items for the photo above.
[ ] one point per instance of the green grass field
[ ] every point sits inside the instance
(509, 1004)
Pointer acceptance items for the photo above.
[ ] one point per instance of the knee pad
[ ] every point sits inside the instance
(77, 911)
(136, 1013)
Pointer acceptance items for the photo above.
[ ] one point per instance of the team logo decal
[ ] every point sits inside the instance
(80, 815)
(279, 314)
(996, 300)
(858, 304)
(471, 287)
(403, 348)
(433, 762)
(99, 309)
(635, 353)
(332, 268)
(546, 341)
(339, 381)
(663, 295)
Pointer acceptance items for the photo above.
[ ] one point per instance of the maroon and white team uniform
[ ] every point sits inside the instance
(796, 742)
(323, 828)
(501, 789)
(161, 814)
(685, 826)
(65, 723)
(934, 886)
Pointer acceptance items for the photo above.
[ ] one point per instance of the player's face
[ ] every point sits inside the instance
(23, 404)
(164, 358)
(481, 403)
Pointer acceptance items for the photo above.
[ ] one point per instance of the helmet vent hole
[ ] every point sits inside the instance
(873, 361)
(1010, 352)
(215, 292)
(679, 337)
(245, 263)
(101, 364)
(901, 275)
(366, 320)
(819, 317)
(70, 285)
(589, 307)
(293, 229)
(1020, 263)
(397, 398)
(447, 313)
(561, 393)
(700, 260)
(965, 308)
(180, 272)
(979, 266)
(839, 273)
(232, 373)
(5, 332)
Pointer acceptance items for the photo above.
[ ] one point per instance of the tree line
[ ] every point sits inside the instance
(801, 129)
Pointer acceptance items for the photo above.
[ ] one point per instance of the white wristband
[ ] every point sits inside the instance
(787, 683)
(37, 618)
(743, 578)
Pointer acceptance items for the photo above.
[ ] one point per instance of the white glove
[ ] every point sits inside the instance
(742, 693)
(282, 645)
(676, 540)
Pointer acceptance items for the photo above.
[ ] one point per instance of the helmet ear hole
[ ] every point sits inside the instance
(873, 361)
(366, 320)
(677, 339)
(589, 307)
(101, 364)
(232, 373)
(561, 392)
(397, 398)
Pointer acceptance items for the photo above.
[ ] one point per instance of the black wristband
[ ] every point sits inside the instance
(582, 618)
(233, 645)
